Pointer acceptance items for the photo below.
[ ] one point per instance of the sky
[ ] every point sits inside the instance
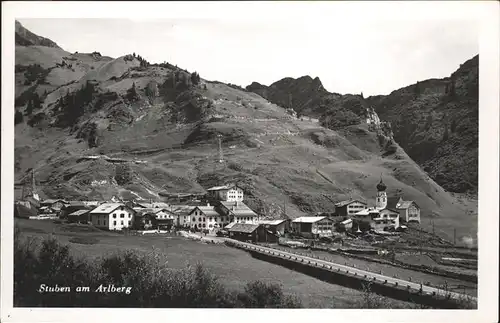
(348, 54)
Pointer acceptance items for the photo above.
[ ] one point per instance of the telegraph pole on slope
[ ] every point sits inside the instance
(219, 139)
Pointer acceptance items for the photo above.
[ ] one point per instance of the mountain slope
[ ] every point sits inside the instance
(138, 130)
(434, 121)
(24, 37)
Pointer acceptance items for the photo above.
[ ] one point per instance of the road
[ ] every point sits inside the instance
(367, 275)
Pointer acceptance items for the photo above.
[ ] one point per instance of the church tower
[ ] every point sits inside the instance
(381, 202)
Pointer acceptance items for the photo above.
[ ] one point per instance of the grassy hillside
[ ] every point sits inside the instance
(128, 128)
(434, 121)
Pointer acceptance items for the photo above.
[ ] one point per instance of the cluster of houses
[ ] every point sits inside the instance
(223, 210)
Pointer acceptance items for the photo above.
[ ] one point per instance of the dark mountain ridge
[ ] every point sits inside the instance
(24, 37)
(435, 120)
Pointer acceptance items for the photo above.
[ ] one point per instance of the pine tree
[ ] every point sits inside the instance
(195, 78)
(453, 126)
(18, 117)
(452, 91)
(445, 134)
(36, 101)
(29, 108)
(416, 89)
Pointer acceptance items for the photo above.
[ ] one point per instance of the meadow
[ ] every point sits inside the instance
(234, 268)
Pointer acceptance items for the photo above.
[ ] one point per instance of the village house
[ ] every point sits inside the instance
(181, 215)
(160, 214)
(207, 217)
(313, 226)
(112, 216)
(228, 193)
(409, 211)
(71, 207)
(55, 205)
(251, 232)
(349, 207)
(79, 216)
(21, 211)
(344, 225)
(30, 203)
(276, 226)
(237, 212)
(144, 221)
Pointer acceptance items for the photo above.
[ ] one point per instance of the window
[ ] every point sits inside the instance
(114, 222)
(129, 215)
(199, 219)
(129, 222)
(204, 220)
(210, 226)
(203, 224)
(210, 219)
(114, 216)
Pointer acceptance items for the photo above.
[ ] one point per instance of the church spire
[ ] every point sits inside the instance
(381, 186)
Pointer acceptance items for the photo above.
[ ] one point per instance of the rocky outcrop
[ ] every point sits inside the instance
(24, 37)
(436, 123)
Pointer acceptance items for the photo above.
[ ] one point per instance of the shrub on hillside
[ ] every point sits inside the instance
(18, 117)
(339, 119)
(123, 174)
(266, 295)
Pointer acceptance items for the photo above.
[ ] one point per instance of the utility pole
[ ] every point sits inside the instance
(454, 236)
(219, 139)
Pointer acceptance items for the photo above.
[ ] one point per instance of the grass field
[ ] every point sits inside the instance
(234, 267)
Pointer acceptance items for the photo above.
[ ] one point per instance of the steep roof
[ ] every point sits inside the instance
(238, 209)
(367, 211)
(243, 228)
(206, 210)
(397, 203)
(22, 211)
(52, 201)
(181, 209)
(272, 222)
(230, 225)
(309, 219)
(223, 187)
(107, 208)
(153, 205)
(347, 202)
(79, 212)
